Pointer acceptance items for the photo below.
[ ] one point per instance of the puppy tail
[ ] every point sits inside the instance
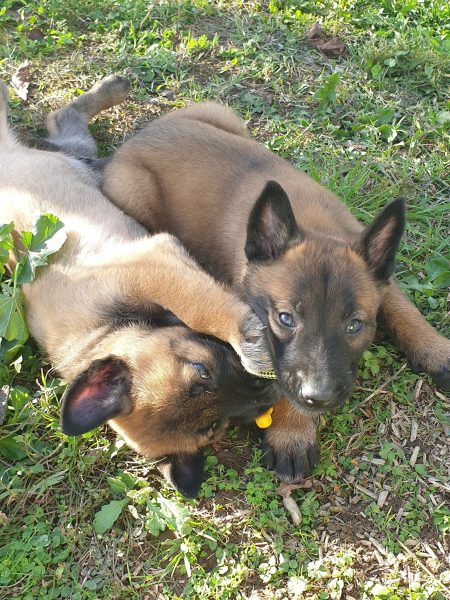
(6, 135)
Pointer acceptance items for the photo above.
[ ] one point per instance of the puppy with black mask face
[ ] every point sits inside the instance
(315, 276)
(100, 309)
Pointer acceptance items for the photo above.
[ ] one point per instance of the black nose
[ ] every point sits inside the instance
(317, 394)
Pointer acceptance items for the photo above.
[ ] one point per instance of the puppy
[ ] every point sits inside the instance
(100, 310)
(315, 276)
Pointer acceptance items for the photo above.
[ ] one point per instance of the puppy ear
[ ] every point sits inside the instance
(381, 239)
(271, 226)
(185, 472)
(98, 394)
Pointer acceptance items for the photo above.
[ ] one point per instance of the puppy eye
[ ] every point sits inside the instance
(286, 319)
(354, 326)
(201, 370)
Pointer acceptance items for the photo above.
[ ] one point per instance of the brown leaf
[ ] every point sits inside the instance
(35, 34)
(333, 47)
(20, 80)
(286, 489)
(316, 31)
(329, 46)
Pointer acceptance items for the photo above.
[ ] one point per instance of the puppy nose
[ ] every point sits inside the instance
(317, 394)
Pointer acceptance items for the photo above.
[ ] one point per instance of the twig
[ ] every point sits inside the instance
(382, 386)
(420, 563)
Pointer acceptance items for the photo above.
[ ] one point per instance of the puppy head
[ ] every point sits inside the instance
(317, 295)
(168, 392)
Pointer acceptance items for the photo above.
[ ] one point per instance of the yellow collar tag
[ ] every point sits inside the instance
(265, 420)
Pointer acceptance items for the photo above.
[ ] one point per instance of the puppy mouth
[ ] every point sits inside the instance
(303, 406)
(307, 405)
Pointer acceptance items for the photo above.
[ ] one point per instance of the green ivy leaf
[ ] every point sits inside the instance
(12, 318)
(106, 517)
(47, 237)
(6, 244)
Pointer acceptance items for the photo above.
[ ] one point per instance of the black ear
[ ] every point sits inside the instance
(271, 225)
(381, 238)
(185, 472)
(100, 393)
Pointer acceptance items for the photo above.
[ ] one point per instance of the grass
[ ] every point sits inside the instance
(88, 519)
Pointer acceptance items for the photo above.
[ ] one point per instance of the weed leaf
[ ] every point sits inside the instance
(12, 319)
(47, 238)
(11, 449)
(155, 521)
(327, 93)
(177, 516)
(106, 517)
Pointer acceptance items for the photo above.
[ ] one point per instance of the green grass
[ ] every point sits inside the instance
(370, 125)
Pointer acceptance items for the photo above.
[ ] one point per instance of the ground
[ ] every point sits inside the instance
(88, 519)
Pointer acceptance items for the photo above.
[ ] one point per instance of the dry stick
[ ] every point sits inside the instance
(382, 386)
(420, 563)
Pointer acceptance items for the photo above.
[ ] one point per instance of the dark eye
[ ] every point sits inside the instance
(286, 319)
(201, 370)
(354, 326)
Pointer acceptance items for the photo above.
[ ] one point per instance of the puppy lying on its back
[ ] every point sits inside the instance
(97, 310)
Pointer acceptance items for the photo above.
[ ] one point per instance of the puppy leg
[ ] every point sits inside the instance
(157, 270)
(68, 126)
(290, 443)
(425, 349)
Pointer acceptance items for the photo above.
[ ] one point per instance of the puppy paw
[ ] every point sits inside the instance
(442, 378)
(291, 463)
(290, 443)
(436, 363)
(252, 347)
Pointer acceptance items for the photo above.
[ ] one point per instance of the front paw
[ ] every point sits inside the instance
(442, 378)
(291, 463)
(439, 369)
(290, 443)
(252, 346)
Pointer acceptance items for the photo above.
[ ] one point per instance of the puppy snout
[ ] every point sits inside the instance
(319, 395)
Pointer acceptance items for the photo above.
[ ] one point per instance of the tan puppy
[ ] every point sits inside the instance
(314, 275)
(100, 309)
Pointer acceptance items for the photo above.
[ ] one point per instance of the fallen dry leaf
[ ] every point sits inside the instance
(285, 490)
(316, 31)
(35, 34)
(20, 81)
(330, 46)
(333, 47)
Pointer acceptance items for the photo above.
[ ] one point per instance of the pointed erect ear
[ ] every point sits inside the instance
(185, 472)
(100, 393)
(271, 226)
(381, 238)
